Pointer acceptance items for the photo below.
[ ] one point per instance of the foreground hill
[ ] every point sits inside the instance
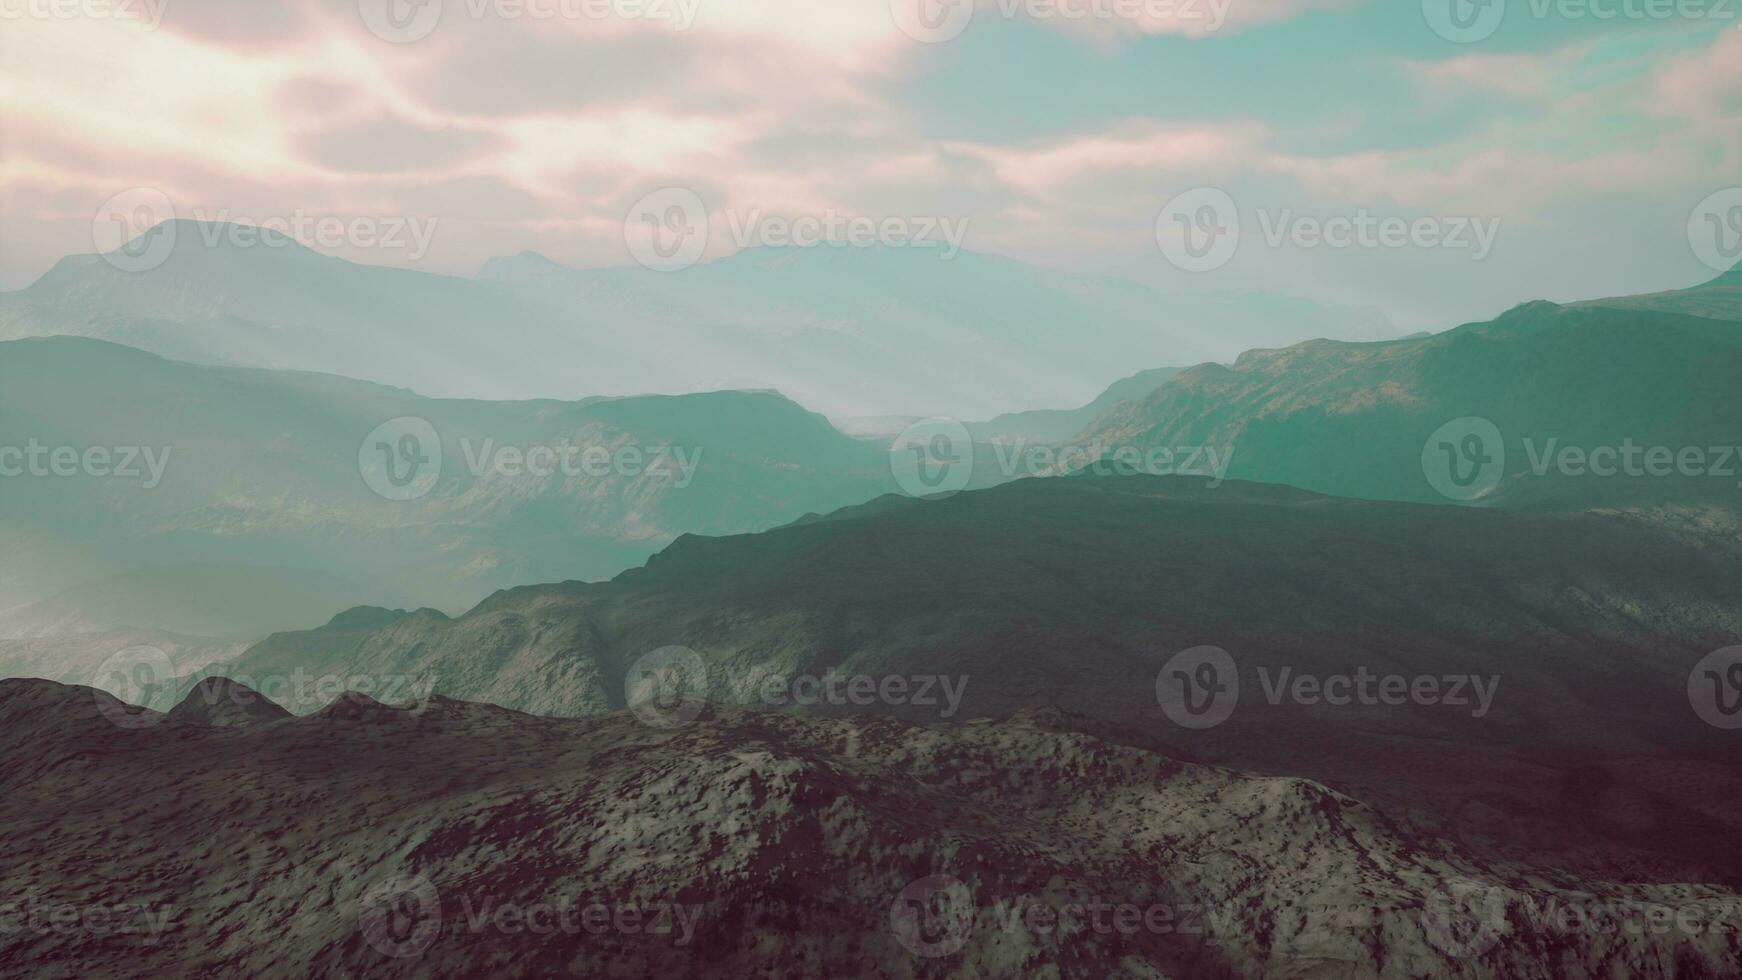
(265, 468)
(454, 839)
(1358, 419)
(1077, 592)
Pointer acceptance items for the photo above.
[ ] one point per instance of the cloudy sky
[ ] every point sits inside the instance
(516, 125)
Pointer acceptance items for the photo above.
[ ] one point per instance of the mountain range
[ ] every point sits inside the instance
(1076, 593)
(1357, 419)
(845, 331)
(273, 469)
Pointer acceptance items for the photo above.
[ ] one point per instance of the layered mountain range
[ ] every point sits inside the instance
(277, 470)
(846, 331)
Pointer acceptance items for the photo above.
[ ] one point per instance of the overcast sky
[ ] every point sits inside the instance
(1059, 140)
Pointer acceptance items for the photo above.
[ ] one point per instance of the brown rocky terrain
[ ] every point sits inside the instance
(455, 839)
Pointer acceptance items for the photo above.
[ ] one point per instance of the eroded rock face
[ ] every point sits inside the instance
(447, 838)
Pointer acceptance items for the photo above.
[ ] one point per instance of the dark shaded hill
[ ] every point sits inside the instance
(1076, 593)
(454, 839)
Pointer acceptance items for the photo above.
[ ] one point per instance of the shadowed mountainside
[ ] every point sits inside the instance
(1076, 592)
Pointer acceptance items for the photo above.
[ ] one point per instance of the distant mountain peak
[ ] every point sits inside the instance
(189, 232)
(223, 703)
(520, 268)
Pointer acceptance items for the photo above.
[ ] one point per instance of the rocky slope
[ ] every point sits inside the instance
(1358, 419)
(1571, 640)
(445, 838)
